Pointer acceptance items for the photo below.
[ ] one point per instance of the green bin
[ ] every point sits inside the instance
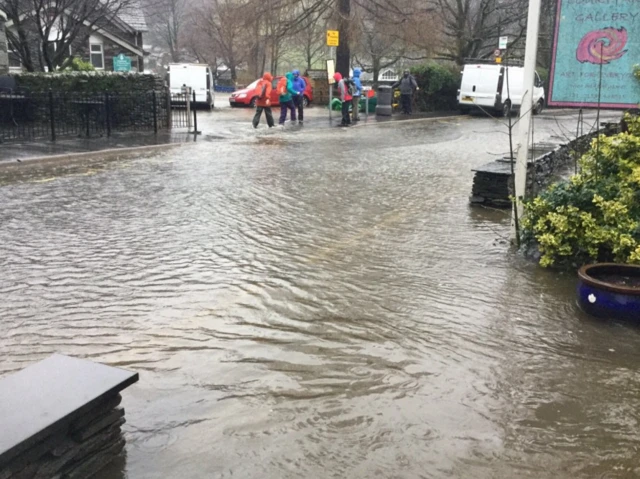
(373, 101)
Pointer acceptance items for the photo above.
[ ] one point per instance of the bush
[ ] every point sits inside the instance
(77, 65)
(438, 87)
(88, 82)
(595, 215)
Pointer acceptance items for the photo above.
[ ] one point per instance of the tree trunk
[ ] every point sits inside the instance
(232, 69)
(343, 54)
(255, 51)
(308, 55)
(4, 58)
(376, 72)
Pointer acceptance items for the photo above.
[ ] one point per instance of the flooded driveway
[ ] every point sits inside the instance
(318, 303)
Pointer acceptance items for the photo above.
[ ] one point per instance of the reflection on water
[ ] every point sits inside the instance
(317, 304)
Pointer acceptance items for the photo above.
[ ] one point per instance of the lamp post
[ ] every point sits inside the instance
(524, 125)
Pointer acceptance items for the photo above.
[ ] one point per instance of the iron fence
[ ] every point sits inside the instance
(181, 108)
(30, 116)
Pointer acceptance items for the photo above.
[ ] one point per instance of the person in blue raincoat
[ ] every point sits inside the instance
(299, 85)
(355, 111)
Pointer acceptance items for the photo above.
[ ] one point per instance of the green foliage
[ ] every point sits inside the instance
(88, 81)
(595, 215)
(438, 87)
(544, 74)
(77, 65)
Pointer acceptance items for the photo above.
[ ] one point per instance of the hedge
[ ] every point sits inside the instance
(438, 87)
(89, 82)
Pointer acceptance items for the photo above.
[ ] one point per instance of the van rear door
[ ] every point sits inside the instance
(479, 85)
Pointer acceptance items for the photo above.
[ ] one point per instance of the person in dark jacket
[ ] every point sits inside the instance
(263, 103)
(407, 85)
(299, 85)
(345, 98)
(355, 111)
(285, 92)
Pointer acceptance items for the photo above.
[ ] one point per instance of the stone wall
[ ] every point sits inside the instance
(547, 168)
(493, 182)
(89, 443)
(4, 58)
(61, 419)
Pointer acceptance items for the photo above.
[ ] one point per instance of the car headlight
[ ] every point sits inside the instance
(242, 95)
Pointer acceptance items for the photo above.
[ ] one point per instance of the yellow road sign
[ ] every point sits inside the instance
(333, 38)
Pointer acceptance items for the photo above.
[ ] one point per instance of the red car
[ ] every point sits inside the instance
(246, 97)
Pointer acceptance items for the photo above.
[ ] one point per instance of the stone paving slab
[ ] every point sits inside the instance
(50, 394)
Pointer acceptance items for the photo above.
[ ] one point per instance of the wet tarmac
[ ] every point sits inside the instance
(318, 302)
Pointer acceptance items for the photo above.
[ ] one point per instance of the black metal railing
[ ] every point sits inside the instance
(30, 116)
(180, 111)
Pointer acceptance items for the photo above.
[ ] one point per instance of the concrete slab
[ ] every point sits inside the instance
(48, 395)
(495, 167)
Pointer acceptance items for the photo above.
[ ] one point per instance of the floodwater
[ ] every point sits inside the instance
(318, 304)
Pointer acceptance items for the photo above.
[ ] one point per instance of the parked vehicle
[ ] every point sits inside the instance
(246, 96)
(195, 75)
(495, 87)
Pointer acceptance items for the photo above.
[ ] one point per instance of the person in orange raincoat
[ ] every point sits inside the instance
(263, 102)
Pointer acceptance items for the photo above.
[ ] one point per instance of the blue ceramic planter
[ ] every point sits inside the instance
(610, 290)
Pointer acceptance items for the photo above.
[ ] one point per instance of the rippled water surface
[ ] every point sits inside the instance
(317, 304)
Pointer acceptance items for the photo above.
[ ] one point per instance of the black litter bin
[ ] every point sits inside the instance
(385, 95)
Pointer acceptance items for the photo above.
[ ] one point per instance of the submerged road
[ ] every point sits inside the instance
(318, 303)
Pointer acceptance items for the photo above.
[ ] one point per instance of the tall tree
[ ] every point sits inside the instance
(168, 20)
(343, 52)
(311, 40)
(376, 44)
(472, 27)
(223, 23)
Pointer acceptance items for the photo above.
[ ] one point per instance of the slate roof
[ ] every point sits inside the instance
(133, 16)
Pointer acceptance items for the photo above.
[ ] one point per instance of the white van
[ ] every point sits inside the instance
(494, 87)
(195, 75)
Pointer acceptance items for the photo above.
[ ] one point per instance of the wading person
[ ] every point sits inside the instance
(407, 85)
(285, 92)
(299, 85)
(263, 102)
(355, 112)
(345, 98)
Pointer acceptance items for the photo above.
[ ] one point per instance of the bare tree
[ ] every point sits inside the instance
(311, 39)
(377, 44)
(41, 32)
(223, 23)
(167, 19)
(472, 27)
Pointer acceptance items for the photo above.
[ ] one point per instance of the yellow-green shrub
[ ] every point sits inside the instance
(595, 215)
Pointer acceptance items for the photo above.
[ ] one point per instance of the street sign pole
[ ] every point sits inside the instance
(330, 100)
(333, 40)
(524, 125)
(330, 71)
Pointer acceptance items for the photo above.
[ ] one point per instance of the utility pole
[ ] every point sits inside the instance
(526, 109)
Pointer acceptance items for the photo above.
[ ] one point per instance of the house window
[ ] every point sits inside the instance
(14, 60)
(97, 56)
(389, 75)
